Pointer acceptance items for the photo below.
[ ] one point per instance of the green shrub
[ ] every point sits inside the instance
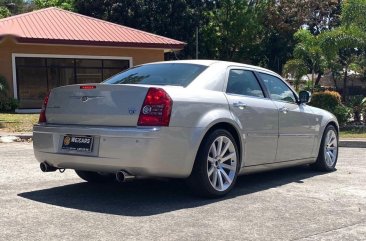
(357, 104)
(354, 128)
(331, 101)
(3, 86)
(342, 113)
(363, 104)
(327, 100)
(7, 104)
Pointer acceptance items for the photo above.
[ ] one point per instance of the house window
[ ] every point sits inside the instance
(37, 76)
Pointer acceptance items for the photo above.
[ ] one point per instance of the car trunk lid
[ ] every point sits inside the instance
(96, 104)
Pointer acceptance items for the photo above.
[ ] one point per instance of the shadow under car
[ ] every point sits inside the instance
(150, 197)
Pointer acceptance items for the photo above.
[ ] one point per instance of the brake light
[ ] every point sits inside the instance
(87, 87)
(156, 109)
(42, 115)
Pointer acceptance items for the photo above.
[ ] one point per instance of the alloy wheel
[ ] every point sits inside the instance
(221, 163)
(331, 148)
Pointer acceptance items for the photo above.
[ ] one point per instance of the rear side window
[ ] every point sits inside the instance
(277, 89)
(243, 82)
(159, 74)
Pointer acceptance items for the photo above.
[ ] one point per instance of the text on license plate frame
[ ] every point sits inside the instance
(77, 143)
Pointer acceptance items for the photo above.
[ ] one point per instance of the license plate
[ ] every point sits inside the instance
(77, 143)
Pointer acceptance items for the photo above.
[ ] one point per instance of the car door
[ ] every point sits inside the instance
(256, 113)
(296, 133)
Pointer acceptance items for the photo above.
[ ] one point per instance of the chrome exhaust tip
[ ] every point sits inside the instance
(122, 176)
(45, 167)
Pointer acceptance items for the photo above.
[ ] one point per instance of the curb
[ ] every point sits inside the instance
(352, 143)
(20, 136)
(15, 138)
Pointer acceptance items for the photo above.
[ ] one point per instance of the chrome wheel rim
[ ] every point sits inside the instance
(331, 148)
(221, 163)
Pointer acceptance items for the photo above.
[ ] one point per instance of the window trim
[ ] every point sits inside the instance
(264, 91)
(280, 78)
(15, 55)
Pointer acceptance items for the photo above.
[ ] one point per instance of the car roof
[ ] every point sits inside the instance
(207, 62)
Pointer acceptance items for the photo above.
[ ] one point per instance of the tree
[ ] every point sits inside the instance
(254, 31)
(233, 31)
(308, 57)
(323, 15)
(282, 19)
(13, 7)
(339, 49)
(295, 69)
(354, 13)
(346, 44)
(176, 19)
(4, 12)
(64, 4)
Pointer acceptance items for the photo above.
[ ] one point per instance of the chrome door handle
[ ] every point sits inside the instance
(284, 110)
(240, 105)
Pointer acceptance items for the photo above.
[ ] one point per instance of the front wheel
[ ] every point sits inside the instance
(328, 151)
(216, 166)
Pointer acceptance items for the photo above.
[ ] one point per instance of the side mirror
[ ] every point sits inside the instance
(304, 97)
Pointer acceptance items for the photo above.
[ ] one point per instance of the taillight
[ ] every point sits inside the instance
(42, 115)
(156, 109)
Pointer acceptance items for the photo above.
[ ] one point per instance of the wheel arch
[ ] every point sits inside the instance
(320, 163)
(334, 124)
(231, 128)
(329, 123)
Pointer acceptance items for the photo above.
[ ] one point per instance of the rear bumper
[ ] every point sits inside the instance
(163, 151)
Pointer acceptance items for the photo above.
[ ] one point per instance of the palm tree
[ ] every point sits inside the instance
(308, 57)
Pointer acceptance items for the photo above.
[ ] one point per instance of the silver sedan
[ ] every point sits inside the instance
(205, 121)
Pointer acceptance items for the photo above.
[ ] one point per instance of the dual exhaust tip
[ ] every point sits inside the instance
(45, 167)
(121, 176)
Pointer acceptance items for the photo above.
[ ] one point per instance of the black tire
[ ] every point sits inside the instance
(321, 163)
(199, 180)
(95, 177)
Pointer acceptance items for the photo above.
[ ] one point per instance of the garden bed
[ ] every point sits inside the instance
(17, 122)
(353, 130)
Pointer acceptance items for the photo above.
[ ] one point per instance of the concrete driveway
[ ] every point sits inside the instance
(291, 204)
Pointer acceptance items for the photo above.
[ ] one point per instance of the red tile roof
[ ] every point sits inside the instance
(57, 26)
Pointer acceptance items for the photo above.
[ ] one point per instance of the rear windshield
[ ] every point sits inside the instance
(159, 74)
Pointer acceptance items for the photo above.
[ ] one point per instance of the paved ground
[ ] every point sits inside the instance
(291, 204)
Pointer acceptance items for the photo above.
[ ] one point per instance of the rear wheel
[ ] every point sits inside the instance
(328, 151)
(95, 177)
(216, 166)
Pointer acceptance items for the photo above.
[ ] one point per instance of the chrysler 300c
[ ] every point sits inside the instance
(205, 121)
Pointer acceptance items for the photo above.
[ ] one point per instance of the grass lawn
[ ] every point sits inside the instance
(17, 122)
(350, 134)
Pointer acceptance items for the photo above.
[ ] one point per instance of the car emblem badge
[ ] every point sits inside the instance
(147, 109)
(131, 111)
(84, 98)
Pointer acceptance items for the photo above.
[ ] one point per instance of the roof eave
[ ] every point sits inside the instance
(166, 46)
